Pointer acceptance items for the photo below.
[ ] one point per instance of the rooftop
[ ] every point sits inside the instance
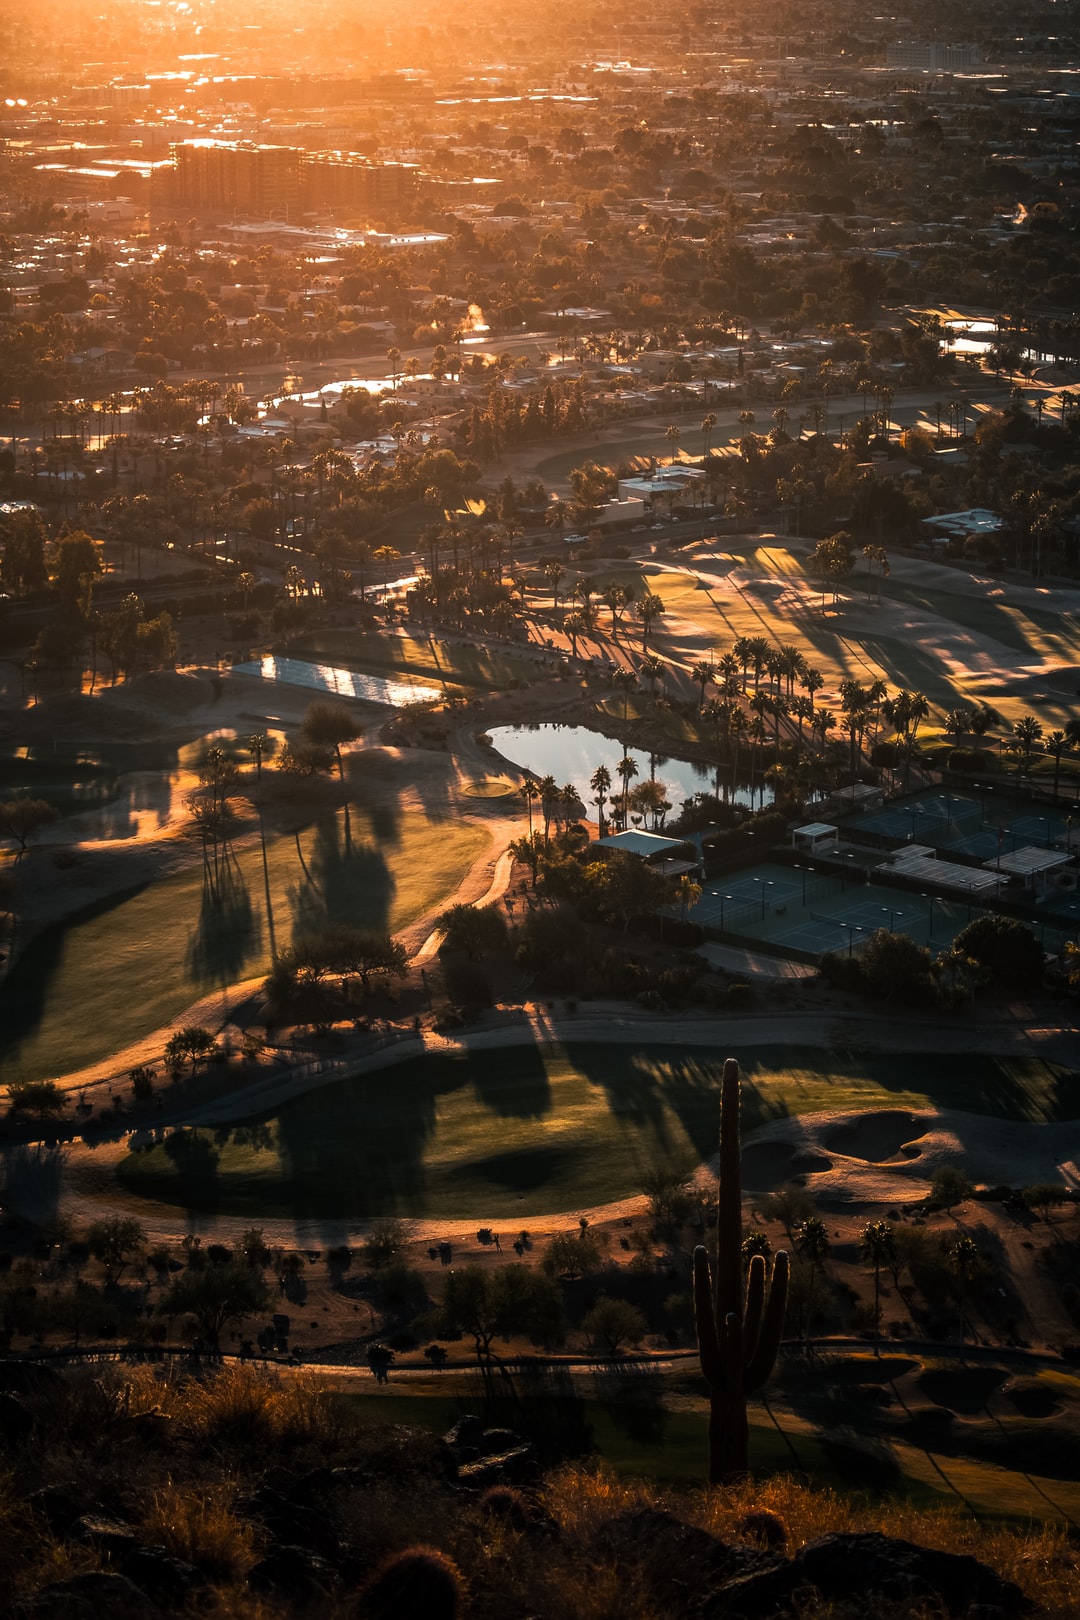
(644, 844)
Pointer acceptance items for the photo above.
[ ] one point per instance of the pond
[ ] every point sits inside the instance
(572, 753)
(115, 789)
(347, 683)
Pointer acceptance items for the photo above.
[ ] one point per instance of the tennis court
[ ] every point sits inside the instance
(957, 822)
(923, 819)
(803, 910)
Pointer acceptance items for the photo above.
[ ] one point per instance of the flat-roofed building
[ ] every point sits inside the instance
(348, 180)
(238, 177)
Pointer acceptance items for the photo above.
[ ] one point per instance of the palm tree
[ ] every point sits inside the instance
(760, 649)
(617, 598)
(653, 669)
(600, 782)
(758, 732)
(627, 681)
(963, 1257)
(812, 682)
(1057, 743)
(574, 624)
(876, 1248)
(556, 515)
(792, 666)
(728, 669)
(673, 434)
(1026, 734)
(741, 652)
(627, 770)
(703, 672)
(549, 793)
(689, 894)
(257, 746)
(554, 571)
(649, 608)
(530, 793)
(813, 1246)
(708, 423)
(738, 726)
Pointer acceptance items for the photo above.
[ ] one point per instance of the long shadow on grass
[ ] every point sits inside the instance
(227, 933)
(340, 881)
(25, 993)
(645, 1088)
(512, 1083)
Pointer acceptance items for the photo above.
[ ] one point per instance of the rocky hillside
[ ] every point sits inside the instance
(142, 1493)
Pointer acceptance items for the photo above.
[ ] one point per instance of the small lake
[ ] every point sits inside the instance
(572, 753)
(346, 683)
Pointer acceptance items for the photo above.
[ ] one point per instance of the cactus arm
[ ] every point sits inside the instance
(763, 1359)
(729, 1213)
(755, 1303)
(712, 1365)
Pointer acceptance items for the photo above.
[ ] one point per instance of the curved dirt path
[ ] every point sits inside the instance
(84, 1188)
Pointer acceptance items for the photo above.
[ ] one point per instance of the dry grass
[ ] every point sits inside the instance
(1043, 1560)
(197, 1524)
(242, 1408)
(177, 1456)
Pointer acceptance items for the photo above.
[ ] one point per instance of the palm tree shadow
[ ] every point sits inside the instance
(227, 931)
(513, 1083)
(344, 881)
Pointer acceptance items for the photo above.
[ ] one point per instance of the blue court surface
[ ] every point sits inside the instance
(815, 912)
(980, 827)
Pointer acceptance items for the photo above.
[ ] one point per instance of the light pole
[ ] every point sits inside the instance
(929, 898)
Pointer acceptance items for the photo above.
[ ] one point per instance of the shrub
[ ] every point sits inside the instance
(949, 1186)
(466, 984)
(386, 1238)
(142, 1082)
(1006, 947)
(616, 1322)
(41, 1097)
(572, 1254)
(420, 1583)
(972, 761)
(895, 968)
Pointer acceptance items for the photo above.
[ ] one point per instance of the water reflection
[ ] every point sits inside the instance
(572, 753)
(347, 683)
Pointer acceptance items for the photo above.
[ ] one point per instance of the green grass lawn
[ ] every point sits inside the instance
(495, 1134)
(417, 655)
(645, 1433)
(114, 974)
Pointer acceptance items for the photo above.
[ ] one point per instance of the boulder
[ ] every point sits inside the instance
(168, 1580)
(857, 1567)
(501, 1468)
(293, 1573)
(15, 1421)
(28, 1378)
(493, 1441)
(677, 1561)
(110, 1536)
(293, 1523)
(465, 1435)
(87, 1597)
(58, 1505)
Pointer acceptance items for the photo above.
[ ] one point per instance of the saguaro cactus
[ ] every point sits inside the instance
(738, 1331)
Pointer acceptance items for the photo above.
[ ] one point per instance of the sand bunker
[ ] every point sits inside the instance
(878, 1138)
(769, 1164)
(1031, 1399)
(890, 1155)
